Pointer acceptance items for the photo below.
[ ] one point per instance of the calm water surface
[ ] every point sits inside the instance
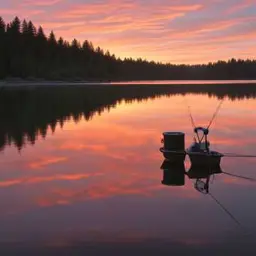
(184, 82)
(98, 183)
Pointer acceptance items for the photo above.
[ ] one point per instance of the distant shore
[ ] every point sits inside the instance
(19, 83)
(28, 83)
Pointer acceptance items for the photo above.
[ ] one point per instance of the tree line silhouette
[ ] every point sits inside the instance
(28, 114)
(26, 52)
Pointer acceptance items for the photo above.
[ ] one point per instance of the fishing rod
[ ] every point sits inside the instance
(211, 121)
(191, 117)
(189, 112)
(215, 113)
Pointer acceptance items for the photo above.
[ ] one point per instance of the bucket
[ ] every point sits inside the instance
(174, 141)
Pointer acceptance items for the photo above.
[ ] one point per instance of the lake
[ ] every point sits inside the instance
(81, 172)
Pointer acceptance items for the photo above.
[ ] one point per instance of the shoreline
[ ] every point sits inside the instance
(36, 84)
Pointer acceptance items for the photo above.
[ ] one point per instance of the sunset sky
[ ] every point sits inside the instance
(176, 31)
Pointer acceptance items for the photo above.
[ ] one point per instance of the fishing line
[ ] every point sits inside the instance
(191, 116)
(231, 216)
(239, 176)
(238, 155)
(190, 113)
(226, 210)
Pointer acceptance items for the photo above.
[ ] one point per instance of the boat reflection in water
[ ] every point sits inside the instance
(202, 176)
(174, 174)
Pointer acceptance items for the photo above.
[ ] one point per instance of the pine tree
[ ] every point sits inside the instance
(2, 48)
(26, 51)
(66, 44)
(99, 51)
(87, 47)
(52, 53)
(40, 34)
(61, 42)
(24, 27)
(107, 54)
(41, 52)
(14, 48)
(91, 46)
(31, 29)
(15, 26)
(75, 44)
(2, 26)
(52, 39)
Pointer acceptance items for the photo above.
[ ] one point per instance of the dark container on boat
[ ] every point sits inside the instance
(174, 141)
(174, 146)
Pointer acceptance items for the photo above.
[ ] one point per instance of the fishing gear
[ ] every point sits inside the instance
(238, 155)
(240, 176)
(215, 113)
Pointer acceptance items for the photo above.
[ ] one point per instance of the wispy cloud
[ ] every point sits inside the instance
(46, 161)
(169, 31)
(41, 179)
(40, 3)
(240, 6)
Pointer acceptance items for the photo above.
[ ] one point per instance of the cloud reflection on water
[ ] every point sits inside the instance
(108, 171)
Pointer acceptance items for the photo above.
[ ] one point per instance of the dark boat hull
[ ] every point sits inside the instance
(205, 159)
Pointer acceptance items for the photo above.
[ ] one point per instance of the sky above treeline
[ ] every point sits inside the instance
(176, 31)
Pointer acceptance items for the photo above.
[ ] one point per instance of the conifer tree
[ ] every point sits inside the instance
(15, 26)
(52, 39)
(2, 48)
(28, 52)
(61, 42)
(2, 26)
(24, 27)
(40, 34)
(31, 29)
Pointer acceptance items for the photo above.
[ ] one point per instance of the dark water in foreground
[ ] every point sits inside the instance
(80, 175)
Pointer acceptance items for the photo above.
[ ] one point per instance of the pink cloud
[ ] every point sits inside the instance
(40, 3)
(41, 179)
(240, 6)
(46, 161)
(25, 12)
(168, 31)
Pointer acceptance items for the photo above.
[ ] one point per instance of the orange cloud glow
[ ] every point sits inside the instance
(48, 161)
(169, 31)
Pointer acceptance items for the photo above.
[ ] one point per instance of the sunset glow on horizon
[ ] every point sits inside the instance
(185, 31)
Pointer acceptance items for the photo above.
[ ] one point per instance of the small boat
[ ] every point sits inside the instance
(211, 158)
(199, 152)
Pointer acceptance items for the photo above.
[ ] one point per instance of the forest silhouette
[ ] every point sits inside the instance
(28, 114)
(26, 52)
